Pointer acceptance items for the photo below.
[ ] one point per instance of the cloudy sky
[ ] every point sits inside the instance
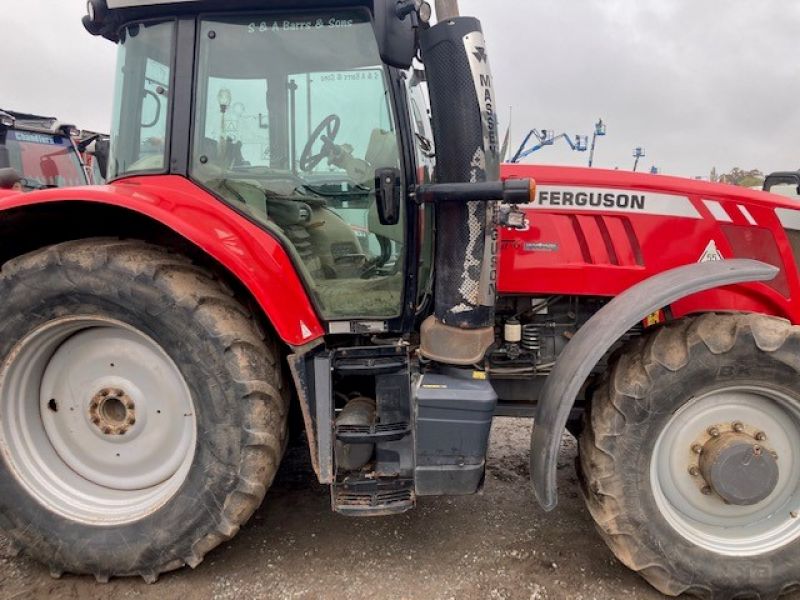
(697, 84)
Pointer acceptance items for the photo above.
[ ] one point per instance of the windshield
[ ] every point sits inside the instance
(293, 118)
(42, 159)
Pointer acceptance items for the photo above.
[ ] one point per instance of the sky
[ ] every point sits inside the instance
(697, 84)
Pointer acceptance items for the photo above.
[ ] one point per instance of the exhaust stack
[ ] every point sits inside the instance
(465, 129)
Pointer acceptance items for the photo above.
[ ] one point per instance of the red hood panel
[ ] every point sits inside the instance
(596, 232)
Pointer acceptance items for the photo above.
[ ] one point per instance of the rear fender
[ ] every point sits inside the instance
(596, 338)
(248, 252)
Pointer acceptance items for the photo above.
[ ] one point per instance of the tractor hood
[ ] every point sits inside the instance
(596, 232)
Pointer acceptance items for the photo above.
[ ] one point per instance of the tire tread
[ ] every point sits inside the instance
(253, 354)
(628, 380)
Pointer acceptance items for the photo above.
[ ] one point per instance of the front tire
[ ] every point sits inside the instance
(143, 409)
(691, 457)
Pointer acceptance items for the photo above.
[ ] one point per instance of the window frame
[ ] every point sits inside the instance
(171, 99)
(407, 317)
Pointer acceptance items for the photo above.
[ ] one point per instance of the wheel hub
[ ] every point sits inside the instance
(97, 419)
(725, 472)
(739, 469)
(112, 411)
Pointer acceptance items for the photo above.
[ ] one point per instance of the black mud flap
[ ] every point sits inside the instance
(597, 337)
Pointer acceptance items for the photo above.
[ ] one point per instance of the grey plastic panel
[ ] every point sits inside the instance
(454, 415)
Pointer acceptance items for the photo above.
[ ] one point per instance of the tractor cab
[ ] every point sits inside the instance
(316, 122)
(312, 120)
(40, 151)
(286, 116)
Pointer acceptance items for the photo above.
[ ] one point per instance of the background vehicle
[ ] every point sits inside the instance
(41, 150)
(271, 239)
(87, 142)
(785, 183)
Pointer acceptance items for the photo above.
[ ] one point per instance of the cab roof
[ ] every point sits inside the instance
(119, 12)
(244, 4)
(395, 32)
(38, 123)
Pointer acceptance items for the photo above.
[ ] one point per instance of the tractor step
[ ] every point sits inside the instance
(371, 361)
(375, 434)
(373, 498)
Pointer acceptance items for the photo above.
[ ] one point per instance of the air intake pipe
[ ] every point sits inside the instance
(465, 130)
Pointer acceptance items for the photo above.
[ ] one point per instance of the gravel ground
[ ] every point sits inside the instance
(496, 545)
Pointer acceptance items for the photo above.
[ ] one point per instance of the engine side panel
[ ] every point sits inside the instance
(597, 233)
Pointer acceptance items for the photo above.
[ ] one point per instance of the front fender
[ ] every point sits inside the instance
(248, 252)
(597, 337)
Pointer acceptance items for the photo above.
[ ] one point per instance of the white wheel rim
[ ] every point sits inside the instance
(706, 520)
(98, 423)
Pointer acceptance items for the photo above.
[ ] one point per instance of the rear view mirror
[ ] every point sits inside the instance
(389, 195)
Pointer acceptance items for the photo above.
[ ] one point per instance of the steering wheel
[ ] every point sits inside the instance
(330, 127)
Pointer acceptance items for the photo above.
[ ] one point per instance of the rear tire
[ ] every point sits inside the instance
(199, 429)
(664, 401)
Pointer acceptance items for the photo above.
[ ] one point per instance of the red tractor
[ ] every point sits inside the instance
(38, 152)
(282, 233)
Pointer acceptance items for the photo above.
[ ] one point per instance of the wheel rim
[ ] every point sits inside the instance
(691, 506)
(98, 423)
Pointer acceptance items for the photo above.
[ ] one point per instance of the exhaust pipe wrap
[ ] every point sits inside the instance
(465, 130)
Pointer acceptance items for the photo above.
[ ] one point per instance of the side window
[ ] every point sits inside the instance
(789, 190)
(153, 131)
(142, 110)
(426, 164)
(784, 184)
(421, 120)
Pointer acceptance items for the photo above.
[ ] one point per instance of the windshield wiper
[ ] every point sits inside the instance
(356, 190)
(33, 184)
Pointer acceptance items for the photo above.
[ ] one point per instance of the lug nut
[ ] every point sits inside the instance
(129, 406)
(96, 420)
(738, 427)
(104, 393)
(761, 436)
(106, 430)
(707, 491)
(697, 448)
(694, 471)
(131, 421)
(713, 432)
(793, 514)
